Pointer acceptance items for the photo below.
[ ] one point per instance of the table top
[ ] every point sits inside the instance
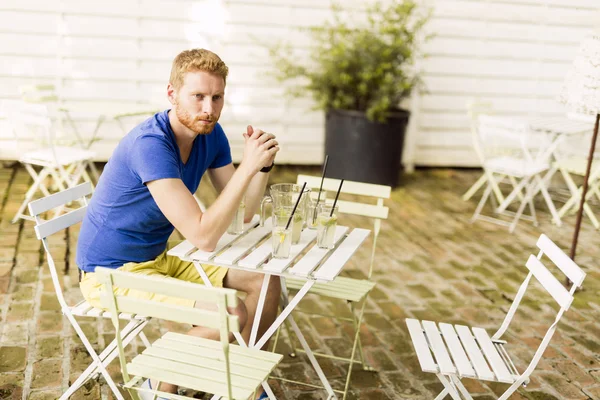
(560, 125)
(251, 251)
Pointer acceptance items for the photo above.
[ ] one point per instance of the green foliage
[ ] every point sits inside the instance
(369, 68)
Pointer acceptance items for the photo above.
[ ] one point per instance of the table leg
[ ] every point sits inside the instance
(286, 304)
(259, 309)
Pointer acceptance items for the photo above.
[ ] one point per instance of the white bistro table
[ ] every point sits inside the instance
(558, 129)
(251, 251)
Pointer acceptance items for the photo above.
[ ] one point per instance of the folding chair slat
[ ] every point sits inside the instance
(549, 282)
(48, 228)
(171, 312)
(340, 288)
(439, 349)
(95, 312)
(279, 265)
(224, 241)
(242, 246)
(61, 198)
(562, 261)
(459, 356)
(334, 264)
(359, 188)
(477, 359)
(421, 346)
(200, 349)
(81, 309)
(213, 344)
(154, 370)
(172, 287)
(311, 260)
(365, 210)
(182, 250)
(498, 366)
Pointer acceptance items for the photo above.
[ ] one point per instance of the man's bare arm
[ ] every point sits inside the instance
(203, 230)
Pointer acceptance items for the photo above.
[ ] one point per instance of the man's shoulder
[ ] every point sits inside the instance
(153, 126)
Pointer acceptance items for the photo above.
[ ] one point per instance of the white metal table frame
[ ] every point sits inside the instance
(558, 128)
(251, 252)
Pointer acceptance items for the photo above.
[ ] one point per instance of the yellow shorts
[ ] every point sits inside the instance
(169, 267)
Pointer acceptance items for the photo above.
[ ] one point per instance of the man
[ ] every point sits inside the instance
(146, 191)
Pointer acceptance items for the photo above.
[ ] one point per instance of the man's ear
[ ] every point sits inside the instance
(171, 94)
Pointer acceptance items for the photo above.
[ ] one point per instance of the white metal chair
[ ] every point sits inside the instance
(453, 352)
(510, 149)
(223, 369)
(475, 108)
(65, 166)
(353, 291)
(135, 322)
(46, 94)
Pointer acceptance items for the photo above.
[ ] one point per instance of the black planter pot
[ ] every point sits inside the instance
(362, 150)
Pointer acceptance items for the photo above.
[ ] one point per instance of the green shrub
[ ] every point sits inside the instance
(367, 68)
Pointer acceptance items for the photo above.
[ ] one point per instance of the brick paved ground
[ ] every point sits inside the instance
(432, 263)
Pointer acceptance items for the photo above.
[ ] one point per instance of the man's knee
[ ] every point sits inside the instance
(241, 312)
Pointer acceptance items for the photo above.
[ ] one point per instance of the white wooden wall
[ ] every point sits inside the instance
(511, 52)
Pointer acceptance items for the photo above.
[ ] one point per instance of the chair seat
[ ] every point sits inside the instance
(197, 363)
(340, 288)
(472, 351)
(516, 167)
(64, 156)
(84, 309)
(575, 165)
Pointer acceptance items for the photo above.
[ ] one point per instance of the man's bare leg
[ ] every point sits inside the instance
(251, 283)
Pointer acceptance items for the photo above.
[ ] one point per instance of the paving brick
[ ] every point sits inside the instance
(46, 373)
(12, 359)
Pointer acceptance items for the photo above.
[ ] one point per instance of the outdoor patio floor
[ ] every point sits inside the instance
(432, 263)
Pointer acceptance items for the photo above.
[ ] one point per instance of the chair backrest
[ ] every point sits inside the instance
(219, 319)
(43, 229)
(551, 284)
(475, 108)
(367, 191)
(29, 122)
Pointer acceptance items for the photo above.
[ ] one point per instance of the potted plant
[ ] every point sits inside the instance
(359, 75)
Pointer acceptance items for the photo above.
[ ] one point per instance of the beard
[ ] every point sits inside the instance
(194, 123)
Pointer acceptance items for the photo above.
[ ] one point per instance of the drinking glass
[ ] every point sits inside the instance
(326, 224)
(237, 224)
(282, 234)
(311, 213)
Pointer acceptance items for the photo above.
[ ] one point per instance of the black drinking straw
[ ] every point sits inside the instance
(320, 187)
(295, 206)
(336, 197)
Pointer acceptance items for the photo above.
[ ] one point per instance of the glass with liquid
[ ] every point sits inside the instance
(237, 224)
(282, 233)
(326, 226)
(316, 197)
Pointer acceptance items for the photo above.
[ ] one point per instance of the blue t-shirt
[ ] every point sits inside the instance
(123, 222)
